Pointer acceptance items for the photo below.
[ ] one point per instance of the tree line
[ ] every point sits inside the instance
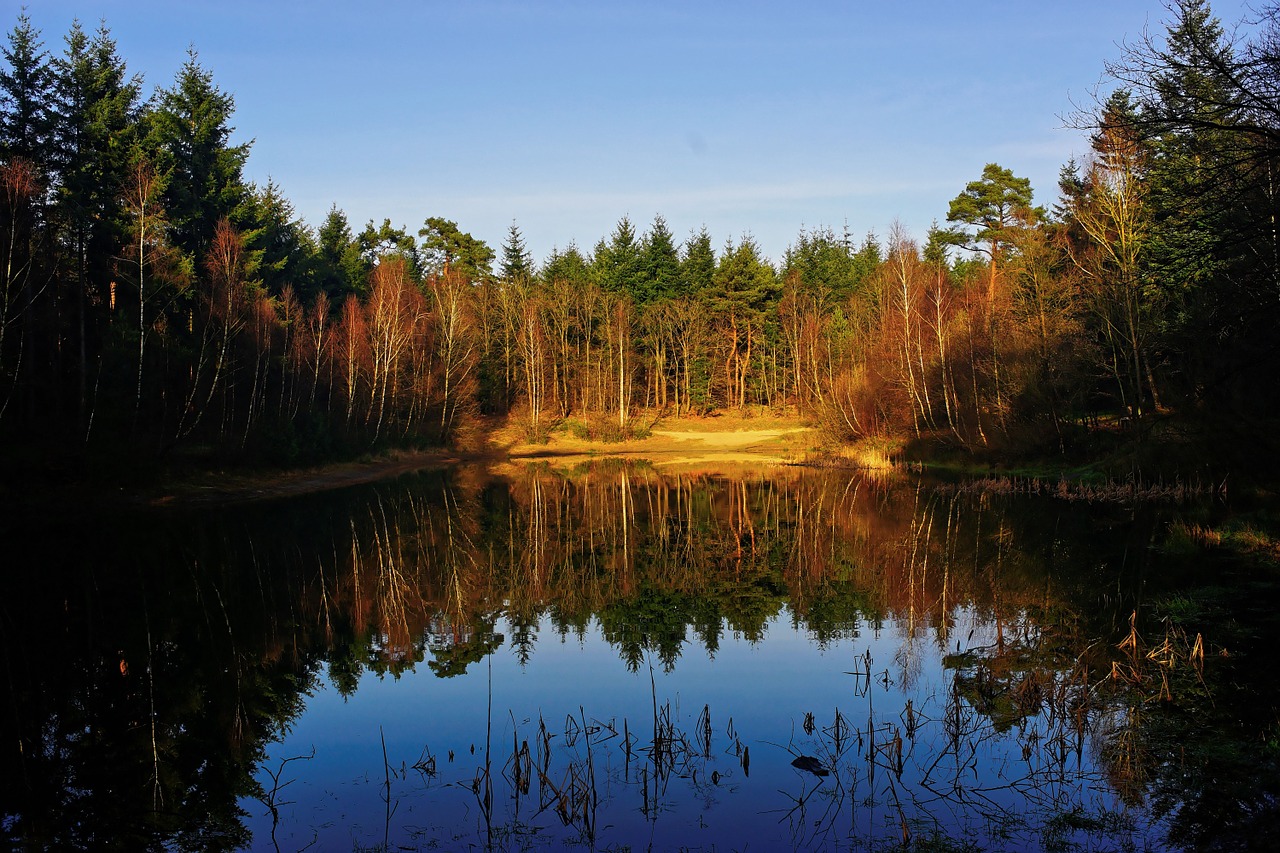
(152, 298)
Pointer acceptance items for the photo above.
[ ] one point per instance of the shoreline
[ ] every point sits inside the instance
(719, 439)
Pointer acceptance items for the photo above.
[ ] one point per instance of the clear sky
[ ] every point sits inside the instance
(749, 117)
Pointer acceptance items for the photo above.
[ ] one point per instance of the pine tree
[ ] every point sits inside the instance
(617, 263)
(992, 209)
(277, 240)
(190, 135)
(340, 268)
(26, 97)
(658, 267)
(447, 248)
(95, 125)
(698, 264)
(517, 263)
(745, 287)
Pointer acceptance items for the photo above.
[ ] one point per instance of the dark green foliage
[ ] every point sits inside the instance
(27, 96)
(990, 210)
(745, 283)
(281, 249)
(446, 248)
(93, 134)
(658, 269)
(189, 132)
(341, 269)
(698, 263)
(617, 262)
(568, 266)
(517, 263)
(378, 241)
(825, 262)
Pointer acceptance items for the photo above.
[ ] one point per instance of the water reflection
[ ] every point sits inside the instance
(804, 659)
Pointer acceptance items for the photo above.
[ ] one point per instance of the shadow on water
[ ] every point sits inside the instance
(625, 659)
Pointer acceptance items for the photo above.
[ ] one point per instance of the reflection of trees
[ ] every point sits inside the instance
(164, 664)
(655, 556)
(1176, 728)
(141, 694)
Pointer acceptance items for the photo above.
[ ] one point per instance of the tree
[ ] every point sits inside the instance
(342, 269)
(658, 267)
(828, 264)
(26, 97)
(146, 256)
(991, 209)
(566, 278)
(617, 263)
(20, 186)
(745, 285)
(698, 262)
(448, 249)
(190, 135)
(517, 263)
(224, 301)
(377, 242)
(396, 314)
(96, 114)
(1109, 203)
(454, 341)
(280, 249)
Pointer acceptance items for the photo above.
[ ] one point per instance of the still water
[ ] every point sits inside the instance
(621, 658)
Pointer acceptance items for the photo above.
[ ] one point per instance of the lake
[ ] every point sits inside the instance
(620, 657)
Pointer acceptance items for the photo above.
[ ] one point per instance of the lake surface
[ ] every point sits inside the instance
(624, 658)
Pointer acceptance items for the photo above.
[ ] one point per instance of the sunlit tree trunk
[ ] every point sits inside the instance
(455, 346)
(223, 318)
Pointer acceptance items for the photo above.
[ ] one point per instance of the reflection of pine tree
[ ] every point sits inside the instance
(524, 636)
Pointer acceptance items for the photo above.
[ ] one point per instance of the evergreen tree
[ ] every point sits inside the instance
(698, 265)
(568, 266)
(379, 241)
(277, 241)
(26, 97)
(992, 209)
(825, 262)
(658, 267)
(617, 263)
(517, 263)
(447, 248)
(191, 137)
(745, 289)
(96, 119)
(341, 269)
(935, 247)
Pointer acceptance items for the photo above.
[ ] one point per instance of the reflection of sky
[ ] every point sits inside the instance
(767, 688)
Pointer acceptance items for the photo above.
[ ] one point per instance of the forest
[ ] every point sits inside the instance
(154, 304)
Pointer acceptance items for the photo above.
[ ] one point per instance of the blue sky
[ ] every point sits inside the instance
(748, 117)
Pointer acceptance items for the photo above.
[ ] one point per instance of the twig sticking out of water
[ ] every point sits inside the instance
(271, 799)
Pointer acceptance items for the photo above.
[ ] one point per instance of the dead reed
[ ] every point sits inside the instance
(1128, 491)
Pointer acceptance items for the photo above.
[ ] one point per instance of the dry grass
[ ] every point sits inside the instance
(749, 437)
(1239, 535)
